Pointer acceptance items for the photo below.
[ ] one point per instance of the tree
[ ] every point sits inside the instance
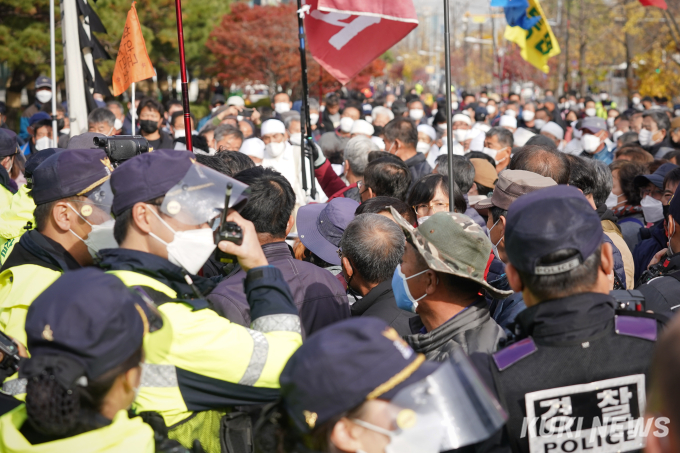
(261, 44)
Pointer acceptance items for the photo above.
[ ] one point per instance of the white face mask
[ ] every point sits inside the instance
(652, 209)
(423, 147)
(99, 238)
(616, 135)
(388, 104)
(528, 115)
(677, 113)
(460, 135)
(610, 121)
(282, 107)
(454, 105)
(591, 112)
(295, 139)
(118, 124)
(483, 100)
(422, 219)
(346, 124)
(612, 201)
(635, 100)
(604, 96)
(491, 109)
(275, 149)
(580, 105)
(314, 118)
(43, 143)
(590, 143)
(188, 249)
(43, 96)
(416, 114)
(538, 124)
(441, 127)
(644, 137)
(65, 130)
(510, 112)
(179, 133)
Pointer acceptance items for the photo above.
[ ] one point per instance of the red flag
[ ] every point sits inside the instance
(344, 36)
(133, 63)
(658, 3)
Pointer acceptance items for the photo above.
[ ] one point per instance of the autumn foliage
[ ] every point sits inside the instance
(260, 44)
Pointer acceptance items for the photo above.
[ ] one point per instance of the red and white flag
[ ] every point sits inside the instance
(344, 36)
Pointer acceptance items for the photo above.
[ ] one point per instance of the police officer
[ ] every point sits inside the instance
(661, 282)
(8, 152)
(577, 362)
(81, 381)
(17, 217)
(357, 386)
(72, 196)
(199, 365)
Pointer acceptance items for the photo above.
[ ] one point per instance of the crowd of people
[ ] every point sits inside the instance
(372, 316)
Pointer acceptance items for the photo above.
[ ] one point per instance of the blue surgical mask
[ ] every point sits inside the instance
(402, 294)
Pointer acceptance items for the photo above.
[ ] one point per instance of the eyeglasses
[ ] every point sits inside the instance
(651, 192)
(436, 206)
(361, 186)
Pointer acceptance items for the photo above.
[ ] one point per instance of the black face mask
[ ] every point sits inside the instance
(148, 126)
(60, 124)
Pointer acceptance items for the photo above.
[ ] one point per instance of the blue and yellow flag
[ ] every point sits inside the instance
(538, 43)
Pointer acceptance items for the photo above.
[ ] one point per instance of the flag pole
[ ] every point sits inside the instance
(133, 111)
(447, 71)
(53, 69)
(183, 69)
(306, 142)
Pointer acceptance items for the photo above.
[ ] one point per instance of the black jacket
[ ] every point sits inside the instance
(380, 303)
(418, 166)
(36, 248)
(662, 291)
(575, 340)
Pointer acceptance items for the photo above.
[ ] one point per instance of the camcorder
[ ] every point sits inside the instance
(228, 231)
(10, 352)
(122, 147)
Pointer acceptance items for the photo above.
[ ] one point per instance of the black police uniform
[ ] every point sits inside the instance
(660, 285)
(575, 340)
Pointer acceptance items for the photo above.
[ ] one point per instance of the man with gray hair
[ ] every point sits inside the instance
(119, 112)
(372, 246)
(381, 116)
(228, 138)
(356, 159)
(101, 121)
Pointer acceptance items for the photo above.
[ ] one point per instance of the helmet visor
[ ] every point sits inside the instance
(200, 196)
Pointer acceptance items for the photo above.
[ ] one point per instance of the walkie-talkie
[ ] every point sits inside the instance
(10, 352)
(228, 231)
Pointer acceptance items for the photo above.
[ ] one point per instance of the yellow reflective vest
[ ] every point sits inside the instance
(200, 364)
(13, 220)
(122, 435)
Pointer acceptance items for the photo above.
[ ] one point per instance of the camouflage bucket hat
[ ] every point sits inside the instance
(454, 244)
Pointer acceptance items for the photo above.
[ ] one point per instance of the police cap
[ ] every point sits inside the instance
(72, 172)
(346, 364)
(549, 220)
(90, 317)
(8, 143)
(148, 176)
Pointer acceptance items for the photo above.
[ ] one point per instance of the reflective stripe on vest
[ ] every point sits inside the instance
(154, 375)
(277, 323)
(14, 386)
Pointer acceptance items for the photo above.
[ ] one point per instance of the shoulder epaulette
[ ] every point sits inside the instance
(514, 353)
(634, 326)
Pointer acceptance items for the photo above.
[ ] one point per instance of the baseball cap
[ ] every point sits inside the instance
(485, 173)
(320, 226)
(235, 100)
(345, 364)
(73, 172)
(84, 141)
(43, 82)
(454, 244)
(217, 99)
(655, 178)
(112, 320)
(593, 124)
(553, 129)
(8, 143)
(34, 160)
(40, 116)
(549, 220)
(511, 185)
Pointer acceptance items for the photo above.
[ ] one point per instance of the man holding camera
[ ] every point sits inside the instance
(199, 365)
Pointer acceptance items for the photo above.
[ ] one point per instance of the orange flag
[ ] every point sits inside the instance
(133, 63)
